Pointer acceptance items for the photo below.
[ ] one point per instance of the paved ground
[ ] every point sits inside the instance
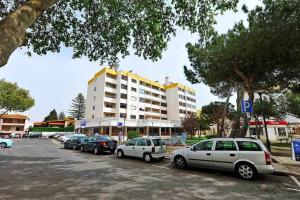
(40, 169)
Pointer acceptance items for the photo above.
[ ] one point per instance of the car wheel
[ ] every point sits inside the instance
(147, 157)
(65, 145)
(74, 147)
(246, 171)
(96, 151)
(180, 162)
(2, 145)
(81, 149)
(120, 154)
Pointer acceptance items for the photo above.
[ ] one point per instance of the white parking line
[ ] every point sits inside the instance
(293, 189)
(295, 180)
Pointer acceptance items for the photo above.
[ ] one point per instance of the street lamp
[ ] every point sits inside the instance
(264, 118)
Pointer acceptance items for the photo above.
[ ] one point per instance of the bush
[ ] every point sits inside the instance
(133, 134)
(51, 129)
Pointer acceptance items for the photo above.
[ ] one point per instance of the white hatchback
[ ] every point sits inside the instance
(246, 157)
(148, 148)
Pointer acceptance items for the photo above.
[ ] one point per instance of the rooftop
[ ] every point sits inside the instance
(13, 116)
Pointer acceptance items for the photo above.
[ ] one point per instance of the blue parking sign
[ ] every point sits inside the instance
(247, 106)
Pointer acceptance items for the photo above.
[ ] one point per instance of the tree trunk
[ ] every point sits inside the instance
(225, 115)
(237, 121)
(13, 27)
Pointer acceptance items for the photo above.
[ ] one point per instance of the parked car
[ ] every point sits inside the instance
(99, 144)
(65, 137)
(5, 143)
(34, 135)
(245, 157)
(147, 148)
(75, 141)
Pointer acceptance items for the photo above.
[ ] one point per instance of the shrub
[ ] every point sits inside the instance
(51, 129)
(133, 134)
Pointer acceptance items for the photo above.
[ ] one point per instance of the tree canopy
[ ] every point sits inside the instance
(61, 115)
(13, 98)
(52, 116)
(102, 30)
(263, 56)
(78, 107)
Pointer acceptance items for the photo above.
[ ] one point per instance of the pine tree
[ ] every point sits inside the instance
(78, 107)
(52, 116)
(61, 115)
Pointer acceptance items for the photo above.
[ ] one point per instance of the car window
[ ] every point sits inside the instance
(148, 142)
(141, 142)
(131, 142)
(157, 142)
(203, 146)
(248, 146)
(225, 146)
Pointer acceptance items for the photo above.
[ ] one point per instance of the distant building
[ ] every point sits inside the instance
(13, 124)
(55, 123)
(121, 101)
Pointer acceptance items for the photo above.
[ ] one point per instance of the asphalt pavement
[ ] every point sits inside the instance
(42, 169)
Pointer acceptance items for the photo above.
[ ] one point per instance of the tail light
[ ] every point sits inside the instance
(268, 158)
(153, 149)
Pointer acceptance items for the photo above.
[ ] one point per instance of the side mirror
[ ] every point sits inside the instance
(192, 149)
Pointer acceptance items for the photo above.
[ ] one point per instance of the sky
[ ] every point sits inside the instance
(55, 79)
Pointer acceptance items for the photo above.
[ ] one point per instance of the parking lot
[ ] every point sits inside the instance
(42, 169)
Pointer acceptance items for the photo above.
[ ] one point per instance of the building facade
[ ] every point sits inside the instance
(149, 106)
(13, 124)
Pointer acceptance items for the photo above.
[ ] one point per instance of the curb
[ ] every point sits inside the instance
(278, 161)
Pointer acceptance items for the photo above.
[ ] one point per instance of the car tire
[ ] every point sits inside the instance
(81, 149)
(96, 151)
(180, 162)
(246, 171)
(65, 146)
(2, 145)
(147, 157)
(120, 154)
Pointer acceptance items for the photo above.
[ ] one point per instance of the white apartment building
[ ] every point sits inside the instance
(123, 101)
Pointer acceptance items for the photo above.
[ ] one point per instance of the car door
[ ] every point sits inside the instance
(200, 154)
(140, 148)
(130, 147)
(225, 154)
(91, 143)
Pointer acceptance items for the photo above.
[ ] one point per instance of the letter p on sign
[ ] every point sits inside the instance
(247, 106)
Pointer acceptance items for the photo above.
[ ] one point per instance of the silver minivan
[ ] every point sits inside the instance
(246, 157)
(148, 148)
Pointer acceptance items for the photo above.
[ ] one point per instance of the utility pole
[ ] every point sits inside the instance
(265, 125)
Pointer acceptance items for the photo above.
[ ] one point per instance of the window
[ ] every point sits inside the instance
(281, 132)
(157, 142)
(132, 116)
(163, 104)
(131, 142)
(95, 88)
(142, 109)
(110, 85)
(225, 146)
(203, 146)
(148, 142)
(133, 107)
(141, 142)
(248, 146)
(124, 77)
(123, 96)
(133, 80)
(122, 115)
(93, 107)
(133, 98)
(124, 86)
(163, 97)
(123, 105)
(94, 98)
(142, 117)
(93, 116)
(133, 89)
(163, 112)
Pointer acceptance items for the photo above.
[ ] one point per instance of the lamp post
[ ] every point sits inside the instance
(265, 125)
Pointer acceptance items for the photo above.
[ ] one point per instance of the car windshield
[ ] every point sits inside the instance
(102, 137)
(157, 142)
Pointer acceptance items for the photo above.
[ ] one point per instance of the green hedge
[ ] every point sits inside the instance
(51, 129)
(133, 134)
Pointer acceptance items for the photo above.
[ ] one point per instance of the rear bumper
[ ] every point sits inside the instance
(265, 169)
(158, 155)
